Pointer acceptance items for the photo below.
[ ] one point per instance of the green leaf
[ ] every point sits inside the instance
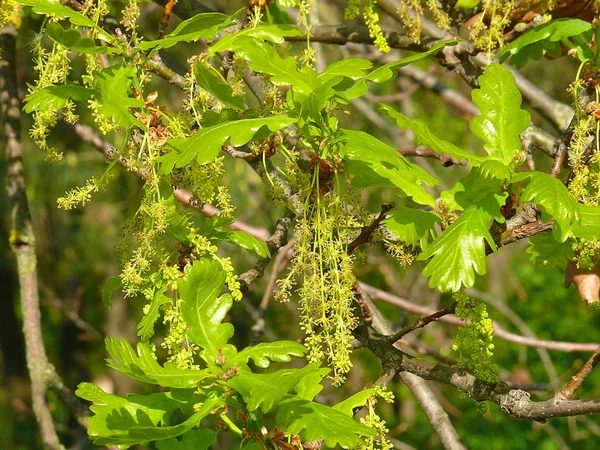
(413, 226)
(209, 79)
(459, 252)
(56, 97)
(553, 199)
(262, 354)
(263, 58)
(203, 309)
(71, 38)
(203, 25)
(354, 401)
(387, 72)
(111, 286)
(425, 137)
(139, 419)
(546, 38)
(316, 421)
(144, 367)
(390, 165)
(502, 119)
(254, 246)
(145, 327)
(271, 33)
(206, 144)
(483, 181)
(546, 252)
(352, 68)
(265, 391)
(192, 440)
(589, 225)
(56, 9)
(289, 3)
(114, 86)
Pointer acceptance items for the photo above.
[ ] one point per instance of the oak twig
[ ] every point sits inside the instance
(423, 321)
(568, 392)
(367, 231)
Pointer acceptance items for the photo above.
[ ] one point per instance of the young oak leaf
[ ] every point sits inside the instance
(206, 144)
(388, 71)
(265, 391)
(413, 226)
(272, 33)
(113, 84)
(144, 367)
(554, 199)
(459, 252)
(587, 281)
(502, 119)
(315, 421)
(209, 79)
(262, 354)
(388, 165)
(546, 38)
(425, 136)
(56, 97)
(200, 439)
(139, 419)
(203, 25)
(204, 309)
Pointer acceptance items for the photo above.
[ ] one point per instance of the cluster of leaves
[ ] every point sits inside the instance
(207, 375)
(578, 37)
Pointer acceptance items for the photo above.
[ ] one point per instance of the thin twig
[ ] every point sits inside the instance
(423, 321)
(425, 152)
(561, 151)
(277, 240)
(568, 392)
(367, 231)
(164, 20)
(499, 332)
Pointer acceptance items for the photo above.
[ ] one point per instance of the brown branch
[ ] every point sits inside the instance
(422, 322)
(186, 9)
(283, 257)
(169, 75)
(499, 332)
(392, 362)
(277, 240)
(563, 146)
(568, 392)
(511, 401)
(87, 134)
(367, 231)
(164, 19)
(357, 34)
(525, 232)
(425, 152)
(22, 239)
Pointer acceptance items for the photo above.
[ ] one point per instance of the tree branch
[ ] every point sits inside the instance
(366, 232)
(499, 332)
(425, 152)
(358, 34)
(277, 240)
(392, 362)
(422, 322)
(568, 392)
